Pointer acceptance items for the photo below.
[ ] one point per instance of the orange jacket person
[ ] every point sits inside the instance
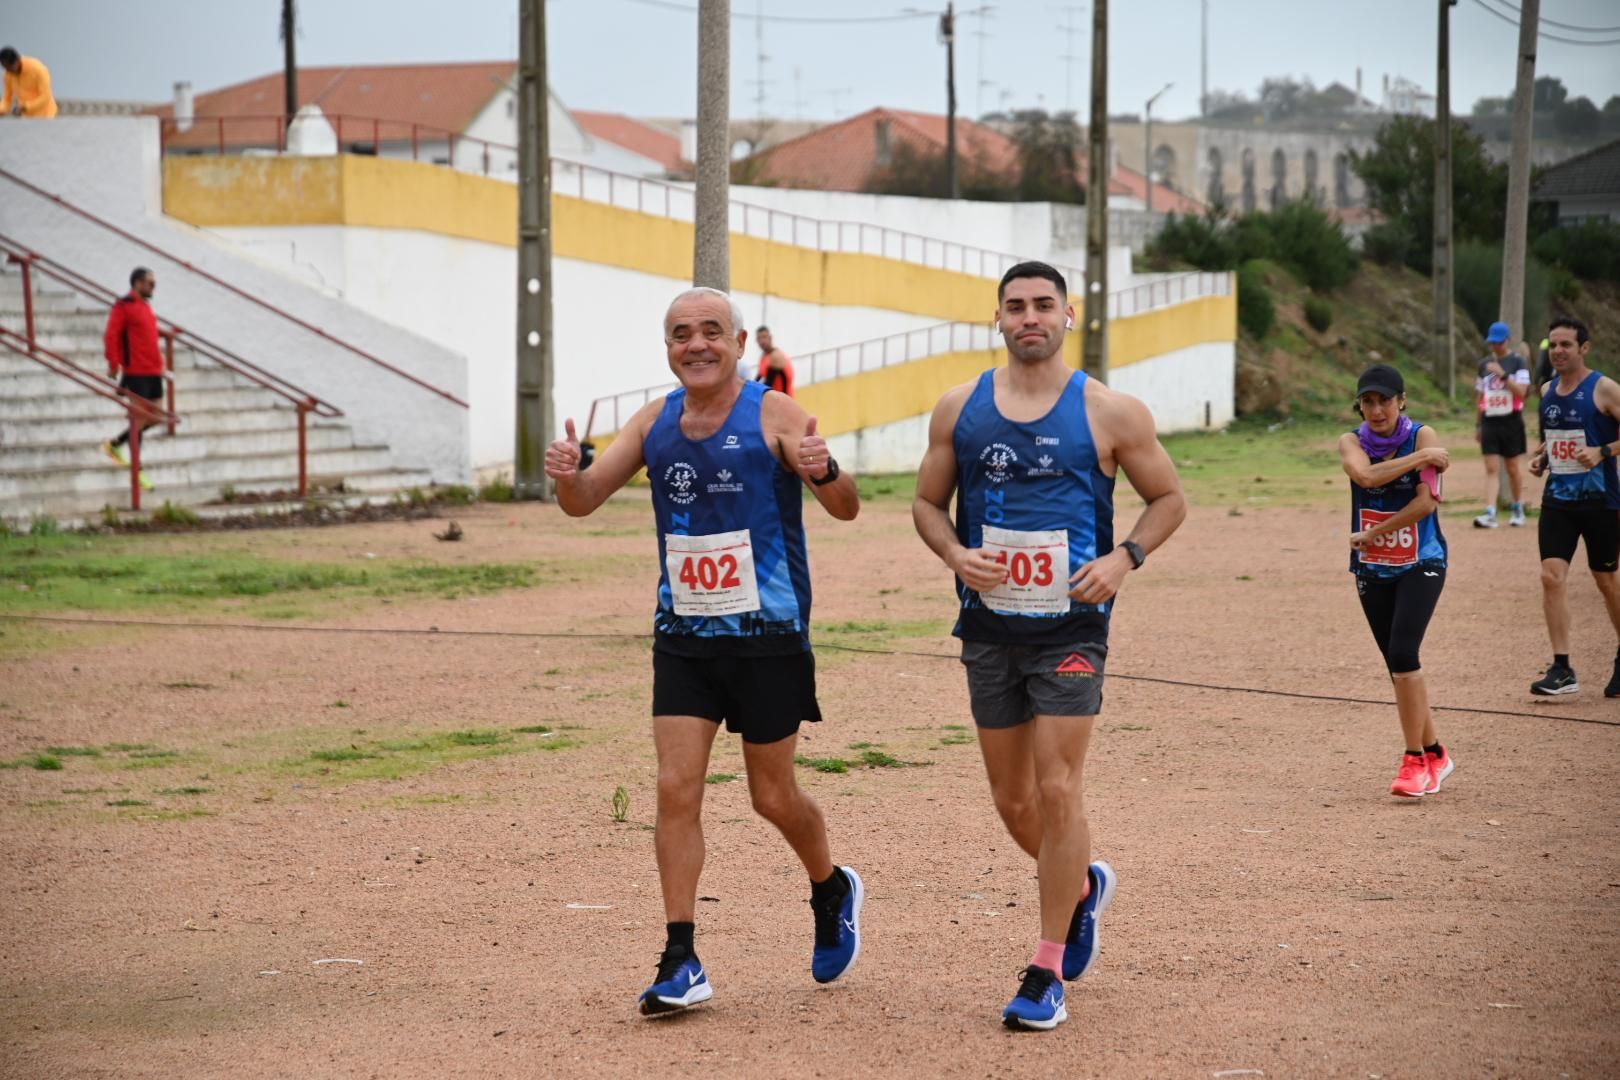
(28, 86)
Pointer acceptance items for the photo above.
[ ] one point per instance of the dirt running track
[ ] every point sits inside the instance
(1278, 912)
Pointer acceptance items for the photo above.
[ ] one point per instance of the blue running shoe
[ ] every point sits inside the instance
(681, 982)
(838, 931)
(1080, 950)
(1039, 1003)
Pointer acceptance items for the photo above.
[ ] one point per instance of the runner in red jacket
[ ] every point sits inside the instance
(132, 347)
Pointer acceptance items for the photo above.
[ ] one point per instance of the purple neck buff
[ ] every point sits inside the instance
(1378, 446)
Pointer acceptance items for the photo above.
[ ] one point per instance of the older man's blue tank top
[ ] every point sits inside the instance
(1570, 422)
(1420, 544)
(728, 485)
(1032, 478)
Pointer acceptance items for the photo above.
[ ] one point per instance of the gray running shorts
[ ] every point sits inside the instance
(1010, 685)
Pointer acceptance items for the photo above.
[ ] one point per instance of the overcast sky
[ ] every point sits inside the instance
(638, 56)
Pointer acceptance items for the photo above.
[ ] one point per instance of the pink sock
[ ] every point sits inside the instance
(1049, 955)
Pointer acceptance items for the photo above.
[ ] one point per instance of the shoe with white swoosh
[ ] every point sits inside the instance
(681, 982)
(838, 930)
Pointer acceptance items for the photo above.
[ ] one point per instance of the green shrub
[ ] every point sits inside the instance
(170, 514)
(1256, 311)
(44, 525)
(1204, 242)
(1477, 273)
(1312, 245)
(1588, 250)
(1319, 313)
(1388, 243)
(498, 490)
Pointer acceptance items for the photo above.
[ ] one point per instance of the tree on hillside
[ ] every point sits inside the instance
(1492, 107)
(1578, 119)
(1549, 93)
(1399, 174)
(1049, 150)
(1611, 115)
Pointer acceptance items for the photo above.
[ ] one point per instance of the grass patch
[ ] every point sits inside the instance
(720, 778)
(45, 762)
(822, 765)
(478, 738)
(533, 729)
(861, 745)
(187, 684)
(344, 754)
(877, 759)
(73, 751)
(896, 486)
(958, 739)
(95, 573)
(129, 802)
(184, 791)
(393, 758)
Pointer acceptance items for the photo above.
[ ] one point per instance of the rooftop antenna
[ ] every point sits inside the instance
(1069, 56)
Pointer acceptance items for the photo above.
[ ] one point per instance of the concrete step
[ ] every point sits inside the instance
(71, 401)
(108, 481)
(42, 382)
(88, 350)
(93, 429)
(63, 320)
(161, 449)
(75, 508)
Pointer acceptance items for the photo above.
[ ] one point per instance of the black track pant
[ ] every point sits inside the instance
(1398, 610)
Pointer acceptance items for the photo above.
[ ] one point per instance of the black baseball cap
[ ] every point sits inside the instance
(1381, 379)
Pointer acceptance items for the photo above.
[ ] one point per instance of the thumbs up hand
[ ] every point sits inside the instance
(563, 456)
(813, 453)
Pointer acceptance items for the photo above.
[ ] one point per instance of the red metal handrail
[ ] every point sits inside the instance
(138, 409)
(6, 174)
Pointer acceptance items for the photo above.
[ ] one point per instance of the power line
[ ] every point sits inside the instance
(1572, 26)
(434, 631)
(1511, 21)
(669, 5)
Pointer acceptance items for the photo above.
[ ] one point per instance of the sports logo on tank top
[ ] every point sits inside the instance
(998, 460)
(725, 485)
(679, 478)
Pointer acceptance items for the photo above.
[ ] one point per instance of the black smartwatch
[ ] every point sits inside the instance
(1134, 550)
(832, 474)
(1607, 451)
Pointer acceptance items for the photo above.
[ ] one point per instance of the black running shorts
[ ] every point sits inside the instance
(1009, 685)
(1502, 435)
(1564, 525)
(149, 387)
(762, 698)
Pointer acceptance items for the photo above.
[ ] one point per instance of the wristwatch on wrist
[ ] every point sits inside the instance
(832, 474)
(1134, 550)
(1607, 451)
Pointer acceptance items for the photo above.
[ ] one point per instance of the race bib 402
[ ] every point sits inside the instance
(711, 575)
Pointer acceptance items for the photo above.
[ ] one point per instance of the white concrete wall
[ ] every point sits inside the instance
(1178, 387)
(608, 322)
(110, 167)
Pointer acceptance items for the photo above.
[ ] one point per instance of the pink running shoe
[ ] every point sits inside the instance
(1413, 779)
(1440, 766)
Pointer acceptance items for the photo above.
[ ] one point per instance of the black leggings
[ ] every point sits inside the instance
(1398, 610)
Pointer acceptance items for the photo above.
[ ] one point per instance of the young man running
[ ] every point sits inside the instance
(727, 460)
(1580, 432)
(1034, 448)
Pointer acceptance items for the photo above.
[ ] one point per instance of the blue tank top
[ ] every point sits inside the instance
(1420, 544)
(1032, 478)
(734, 576)
(1568, 423)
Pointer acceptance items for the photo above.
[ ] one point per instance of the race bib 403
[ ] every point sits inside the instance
(1398, 548)
(1037, 571)
(711, 575)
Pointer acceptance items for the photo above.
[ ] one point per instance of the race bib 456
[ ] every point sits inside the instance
(1562, 446)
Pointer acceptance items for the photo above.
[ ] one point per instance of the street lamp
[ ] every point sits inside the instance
(1147, 147)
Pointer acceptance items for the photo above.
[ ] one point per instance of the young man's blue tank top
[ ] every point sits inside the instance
(727, 482)
(1036, 476)
(1577, 410)
(1391, 499)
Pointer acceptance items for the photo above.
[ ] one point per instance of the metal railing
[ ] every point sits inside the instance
(268, 131)
(138, 409)
(303, 402)
(862, 356)
(6, 174)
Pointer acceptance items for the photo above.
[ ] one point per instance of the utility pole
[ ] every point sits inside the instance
(1094, 334)
(289, 63)
(535, 425)
(947, 34)
(1147, 142)
(1069, 28)
(1203, 58)
(711, 249)
(1511, 308)
(1445, 360)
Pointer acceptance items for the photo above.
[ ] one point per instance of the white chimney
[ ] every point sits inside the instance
(688, 140)
(184, 106)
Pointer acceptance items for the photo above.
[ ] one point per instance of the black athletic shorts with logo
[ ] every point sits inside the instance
(1564, 525)
(1009, 685)
(1502, 435)
(762, 698)
(149, 387)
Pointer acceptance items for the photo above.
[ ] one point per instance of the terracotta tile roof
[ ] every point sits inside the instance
(1127, 181)
(843, 156)
(442, 96)
(635, 136)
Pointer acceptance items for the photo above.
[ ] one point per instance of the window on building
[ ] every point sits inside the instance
(1216, 189)
(1341, 180)
(1310, 176)
(1248, 181)
(1279, 178)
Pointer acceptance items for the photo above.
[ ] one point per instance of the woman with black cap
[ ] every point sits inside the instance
(1398, 555)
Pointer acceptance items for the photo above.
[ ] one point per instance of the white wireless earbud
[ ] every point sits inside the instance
(1068, 324)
